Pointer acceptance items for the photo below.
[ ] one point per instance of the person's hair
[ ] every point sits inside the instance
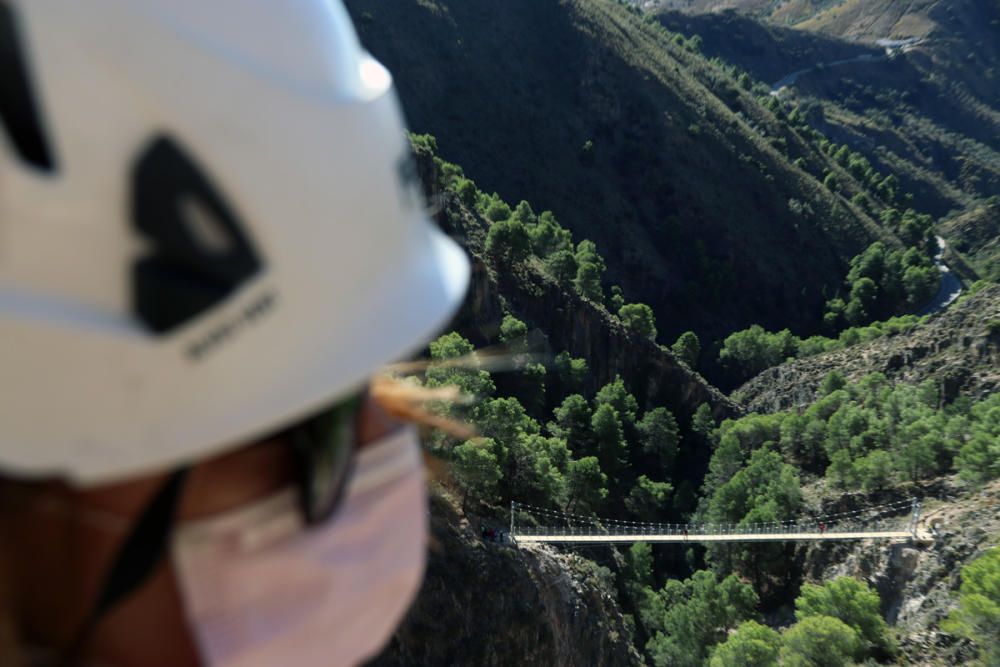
(410, 402)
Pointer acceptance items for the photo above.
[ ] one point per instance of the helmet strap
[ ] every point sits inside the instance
(137, 558)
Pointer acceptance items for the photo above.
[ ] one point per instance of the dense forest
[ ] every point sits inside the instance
(651, 228)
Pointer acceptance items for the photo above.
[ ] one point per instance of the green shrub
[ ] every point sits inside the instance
(639, 318)
(819, 641)
(852, 602)
(978, 614)
(751, 645)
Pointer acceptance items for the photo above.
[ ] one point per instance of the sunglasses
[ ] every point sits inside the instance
(324, 446)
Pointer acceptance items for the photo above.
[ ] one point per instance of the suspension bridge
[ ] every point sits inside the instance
(899, 521)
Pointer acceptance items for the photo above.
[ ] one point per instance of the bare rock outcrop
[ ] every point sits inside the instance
(918, 583)
(958, 348)
(489, 604)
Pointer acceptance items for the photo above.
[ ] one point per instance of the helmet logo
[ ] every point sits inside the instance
(18, 109)
(200, 253)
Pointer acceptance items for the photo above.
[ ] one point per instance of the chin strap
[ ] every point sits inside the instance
(137, 558)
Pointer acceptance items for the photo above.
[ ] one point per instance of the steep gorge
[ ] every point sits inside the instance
(637, 144)
(496, 115)
(959, 349)
(923, 105)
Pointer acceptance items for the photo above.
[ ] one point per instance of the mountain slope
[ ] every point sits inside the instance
(787, 12)
(918, 585)
(959, 349)
(769, 52)
(977, 233)
(679, 175)
(583, 107)
(928, 112)
(491, 604)
(563, 321)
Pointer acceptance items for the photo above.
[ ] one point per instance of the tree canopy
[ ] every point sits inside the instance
(978, 614)
(687, 348)
(819, 641)
(751, 645)
(478, 470)
(850, 601)
(687, 617)
(660, 437)
(639, 318)
(617, 396)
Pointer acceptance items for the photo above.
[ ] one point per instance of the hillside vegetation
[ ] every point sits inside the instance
(928, 113)
(976, 235)
(686, 184)
(959, 350)
(641, 214)
(555, 438)
(858, 20)
(786, 12)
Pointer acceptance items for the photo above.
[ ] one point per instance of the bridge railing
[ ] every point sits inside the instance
(890, 517)
(721, 529)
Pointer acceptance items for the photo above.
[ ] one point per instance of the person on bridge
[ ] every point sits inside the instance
(822, 527)
(213, 244)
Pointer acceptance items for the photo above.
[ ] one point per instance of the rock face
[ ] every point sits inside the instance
(484, 603)
(566, 321)
(654, 375)
(918, 584)
(494, 604)
(976, 234)
(958, 348)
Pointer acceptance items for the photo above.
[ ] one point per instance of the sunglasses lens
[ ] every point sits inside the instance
(324, 446)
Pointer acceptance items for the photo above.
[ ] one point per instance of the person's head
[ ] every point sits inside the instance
(210, 241)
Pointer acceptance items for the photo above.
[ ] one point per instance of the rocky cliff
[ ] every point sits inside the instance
(918, 584)
(959, 348)
(486, 604)
(564, 320)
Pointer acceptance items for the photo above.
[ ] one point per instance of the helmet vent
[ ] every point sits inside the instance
(200, 252)
(19, 113)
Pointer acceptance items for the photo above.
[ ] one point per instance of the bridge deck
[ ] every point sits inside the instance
(827, 536)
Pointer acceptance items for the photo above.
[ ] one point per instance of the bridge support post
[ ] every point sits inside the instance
(512, 505)
(915, 518)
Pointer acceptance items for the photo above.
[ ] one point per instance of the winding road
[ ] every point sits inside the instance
(950, 287)
(891, 46)
(790, 79)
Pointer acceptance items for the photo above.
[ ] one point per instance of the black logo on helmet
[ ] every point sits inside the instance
(200, 253)
(19, 112)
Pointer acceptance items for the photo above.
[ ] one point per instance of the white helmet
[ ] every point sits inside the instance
(209, 228)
